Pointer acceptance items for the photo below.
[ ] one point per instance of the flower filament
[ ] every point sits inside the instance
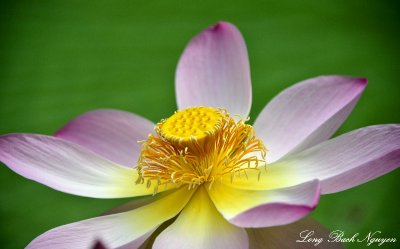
(198, 145)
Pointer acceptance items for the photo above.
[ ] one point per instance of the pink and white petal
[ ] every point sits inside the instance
(307, 113)
(265, 178)
(138, 202)
(118, 230)
(258, 208)
(148, 244)
(214, 71)
(345, 161)
(199, 226)
(294, 235)
(111, 133)
(68, 167)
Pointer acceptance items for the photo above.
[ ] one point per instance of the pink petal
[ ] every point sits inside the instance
(307, 113)
(110, 133)
(288, 236)
(68, 167)
(257, 208)
(122, 230)
(199, 226)
(214, 71)
(348, 160)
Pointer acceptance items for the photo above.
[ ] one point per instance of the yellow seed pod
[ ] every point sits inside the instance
(195, 123)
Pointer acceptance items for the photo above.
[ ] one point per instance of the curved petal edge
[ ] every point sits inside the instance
(347, 160)
(111, 133)
(68, 167)
(307, 113)
(214, 71)
(264, 208)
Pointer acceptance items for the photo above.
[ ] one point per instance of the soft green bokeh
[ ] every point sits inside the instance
(59, 59)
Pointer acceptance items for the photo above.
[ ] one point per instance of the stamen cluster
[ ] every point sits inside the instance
(228, 147)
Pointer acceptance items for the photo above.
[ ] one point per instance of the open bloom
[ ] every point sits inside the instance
(209, 180)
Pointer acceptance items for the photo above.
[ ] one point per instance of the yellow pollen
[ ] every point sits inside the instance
(192, 123)
(199, 145)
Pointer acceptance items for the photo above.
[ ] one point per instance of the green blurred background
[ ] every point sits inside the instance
(59, 59)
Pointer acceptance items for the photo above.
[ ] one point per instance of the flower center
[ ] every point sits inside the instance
(194, 123)
(198, 145)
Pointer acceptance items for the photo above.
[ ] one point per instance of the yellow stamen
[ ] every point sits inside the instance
(199, 145)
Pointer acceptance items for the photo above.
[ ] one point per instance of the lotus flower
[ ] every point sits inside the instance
(207, 178)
